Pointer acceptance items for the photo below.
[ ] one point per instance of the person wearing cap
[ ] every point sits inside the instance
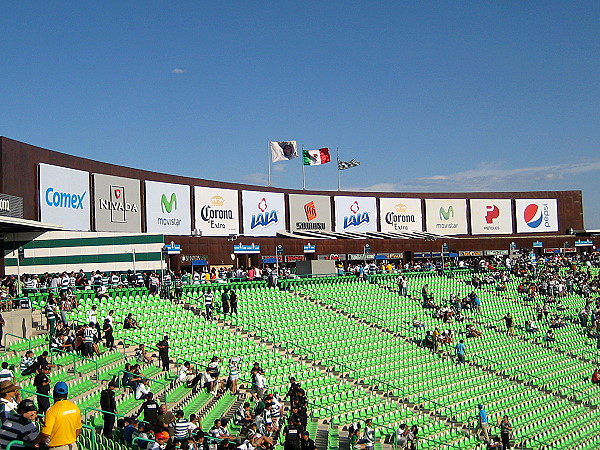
(9, 399)
(482, 423)
(63, 421)
(20, 427)
(108, 404)
(306, 443)
(161, 439)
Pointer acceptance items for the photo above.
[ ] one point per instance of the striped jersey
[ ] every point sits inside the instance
(17, 428)
(181, 428)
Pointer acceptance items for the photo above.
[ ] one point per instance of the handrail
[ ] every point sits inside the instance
(162, 383)
(123, 343)
(93, 436)
(137, 438)
(18, 337)
(438, 442)
(91, 408)
(16, 442)
(36, 393)
(76, 357)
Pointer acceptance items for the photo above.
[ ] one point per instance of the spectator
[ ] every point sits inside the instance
(107, 329)
(460, 351)
(9, 399)
(161, 439)
(62, 424)
(42, 388)
(21, 427)
(6, 373)
(181, 428)
(27, 362)
(108, 404)
(186, 374)
(141, 355)
(163, 352)
(130, 323)
(150, 409)
(482, 423)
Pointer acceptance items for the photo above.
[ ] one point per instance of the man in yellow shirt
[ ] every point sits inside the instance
(63, 421)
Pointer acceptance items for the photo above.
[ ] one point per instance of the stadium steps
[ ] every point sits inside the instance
(342, 376)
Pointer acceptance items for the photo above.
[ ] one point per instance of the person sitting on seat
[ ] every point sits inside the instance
(596, 376)
(417, 323)
(531, 327)
(472, 332)
(549, 336)
(130, 322)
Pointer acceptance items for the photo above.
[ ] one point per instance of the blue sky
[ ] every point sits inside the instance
(430, 96)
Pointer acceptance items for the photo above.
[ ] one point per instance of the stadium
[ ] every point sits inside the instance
(471, 316)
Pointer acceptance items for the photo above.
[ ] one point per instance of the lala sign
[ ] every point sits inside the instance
(356, 218)
(264, 217)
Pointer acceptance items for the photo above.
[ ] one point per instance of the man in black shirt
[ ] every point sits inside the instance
(150, 410)
(163, 352)
(42, 387)
(108, 403)
(306, 443)
(292, 434)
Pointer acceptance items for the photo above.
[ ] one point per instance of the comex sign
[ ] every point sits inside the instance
(64, 199)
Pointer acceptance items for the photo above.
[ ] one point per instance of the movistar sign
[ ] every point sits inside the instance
(168, 205)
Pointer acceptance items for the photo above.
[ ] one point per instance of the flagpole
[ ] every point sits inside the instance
(337, 149)
(269, 164)
(303, 176)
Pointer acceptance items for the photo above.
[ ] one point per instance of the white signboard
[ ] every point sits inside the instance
(536, 215)
(65, 197)
(263, 213)
(400, 214)
(446, 216)
(168, 208)
(356, 214)
(216, 211)
(491, 216)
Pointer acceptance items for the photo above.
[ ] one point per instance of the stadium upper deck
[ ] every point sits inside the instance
(104, 206)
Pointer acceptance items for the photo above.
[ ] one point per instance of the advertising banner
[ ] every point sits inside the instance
(310, 212)
(357, 214)
(536, 215)
(65, 197)
(491, 216)
(400, 214)
(117, 204)
(168, 208)
(263, 213)
(11, 206)
(216, 211)
(446, 216)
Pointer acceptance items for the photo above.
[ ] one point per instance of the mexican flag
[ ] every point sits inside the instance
(316, 157)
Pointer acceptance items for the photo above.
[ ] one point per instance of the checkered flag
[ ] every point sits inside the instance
(343, 165)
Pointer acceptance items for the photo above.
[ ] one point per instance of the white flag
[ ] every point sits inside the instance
(283, 151)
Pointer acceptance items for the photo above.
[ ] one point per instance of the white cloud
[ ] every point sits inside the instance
(255, 178)
(278, 167)
(177, 71)
(491, 176)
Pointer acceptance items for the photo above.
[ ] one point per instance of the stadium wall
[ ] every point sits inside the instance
(25, 169)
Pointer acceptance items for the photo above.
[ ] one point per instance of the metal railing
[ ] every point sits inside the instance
(77, 357)
(18, 337)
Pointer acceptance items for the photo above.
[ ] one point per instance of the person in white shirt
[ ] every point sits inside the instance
(6, 373)
(142, 390)
(186, 373)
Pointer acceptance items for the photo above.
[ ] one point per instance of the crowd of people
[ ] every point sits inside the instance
(262, 416)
